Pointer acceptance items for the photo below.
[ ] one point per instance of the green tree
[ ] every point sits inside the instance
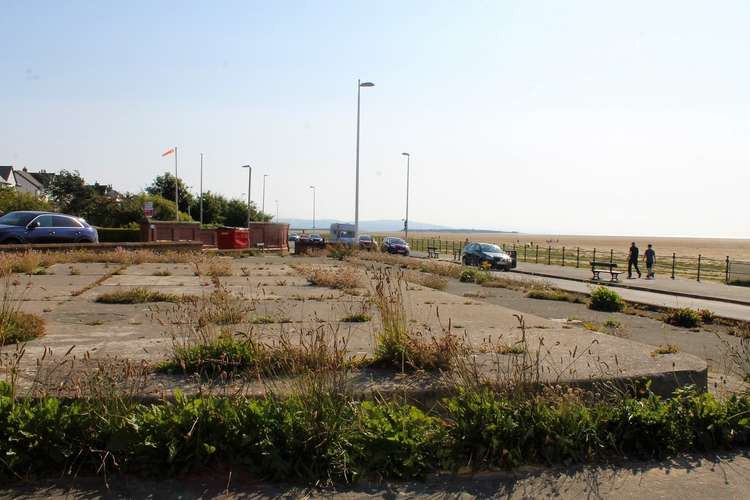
(69, 192)
(12, 199)
(163, 186)
(214, 208)
(235, 214)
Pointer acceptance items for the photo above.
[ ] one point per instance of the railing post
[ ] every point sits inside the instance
(699, 267)
(549, 255)
(563, 257)
(611, 255)
(578, 257)
(524, 252)
(674, 258)
(593, 259)
(727, 270)
(537, 254)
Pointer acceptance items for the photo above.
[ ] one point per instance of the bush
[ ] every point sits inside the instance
(604, 299)
(550, 295)
(340, 251)
(118, 234)
(468, 275)
(685, 317)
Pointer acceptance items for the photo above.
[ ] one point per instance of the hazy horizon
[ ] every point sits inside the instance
(576, 118)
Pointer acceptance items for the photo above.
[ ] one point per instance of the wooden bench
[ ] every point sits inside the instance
(433, 253)
(261, 246)
(604, 267)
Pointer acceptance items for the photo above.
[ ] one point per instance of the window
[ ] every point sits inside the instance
(45, 221)
(62, 221)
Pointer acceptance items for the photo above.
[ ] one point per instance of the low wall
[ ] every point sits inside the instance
(159, 230)
(157, 246)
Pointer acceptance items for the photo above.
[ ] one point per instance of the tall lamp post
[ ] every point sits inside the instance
(249, 186)
(263, 203)
(360, 84)
(406, 220)
(313, 188)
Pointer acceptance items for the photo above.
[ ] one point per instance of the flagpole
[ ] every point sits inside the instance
(176, 196)
(201, 216)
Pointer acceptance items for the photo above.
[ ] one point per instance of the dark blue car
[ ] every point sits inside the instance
(45, 227)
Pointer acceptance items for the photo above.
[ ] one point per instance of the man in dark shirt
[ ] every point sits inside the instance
(650, 257)
(633, 261)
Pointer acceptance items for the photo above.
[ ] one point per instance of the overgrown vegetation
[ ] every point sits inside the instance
(324, 437)
(342, 277)
(359, 317)
(137, 296)
(396, 345)
(16, 326)
(685, 317)
(604, 299)
(553, 294)
(666, 349)
(434, 281)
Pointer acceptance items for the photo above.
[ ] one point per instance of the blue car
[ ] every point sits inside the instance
(45, 227)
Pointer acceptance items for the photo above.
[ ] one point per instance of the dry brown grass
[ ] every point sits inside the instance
(340, 277)
(429, 280)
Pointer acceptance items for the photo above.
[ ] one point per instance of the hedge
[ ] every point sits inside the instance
(325, 437)
(118, 234)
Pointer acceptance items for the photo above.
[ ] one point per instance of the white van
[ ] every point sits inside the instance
(342, 234)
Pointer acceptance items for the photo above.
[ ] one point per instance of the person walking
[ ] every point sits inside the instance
(633, 261)
(650, 257)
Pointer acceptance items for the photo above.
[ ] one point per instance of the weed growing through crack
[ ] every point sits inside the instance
(137, 296)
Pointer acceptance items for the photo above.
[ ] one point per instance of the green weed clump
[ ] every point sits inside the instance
(604, 299)
(137, 296)
(398, 347)
(707, 316)
(552, 294)
(356, 318)
(685, 317)
(16, 326)
(324, 437)
(666, 349)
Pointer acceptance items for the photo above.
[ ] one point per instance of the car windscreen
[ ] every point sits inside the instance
(488, 248)
(17, 218)
(365, 238)
(397, 241)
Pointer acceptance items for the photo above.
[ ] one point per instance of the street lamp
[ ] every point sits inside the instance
(313, 188)
(263, 203)
(249, 186)
(360, 84)
(406, 220)
(201, 216)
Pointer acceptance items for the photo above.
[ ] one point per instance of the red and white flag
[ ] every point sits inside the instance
(168, 152)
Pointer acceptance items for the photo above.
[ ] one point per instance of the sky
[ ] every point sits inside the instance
(576, 117)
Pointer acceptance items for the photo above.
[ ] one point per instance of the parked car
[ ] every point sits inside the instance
(477, 254)
(293, 237)
(316, 239)
(45, 227)
(395, 245)
(367, 242)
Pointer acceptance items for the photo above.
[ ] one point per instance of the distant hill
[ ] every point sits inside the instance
(384, 226)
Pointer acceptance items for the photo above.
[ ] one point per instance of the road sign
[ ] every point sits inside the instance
(148, 208)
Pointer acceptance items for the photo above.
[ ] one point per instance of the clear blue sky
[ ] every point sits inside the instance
(570, 117)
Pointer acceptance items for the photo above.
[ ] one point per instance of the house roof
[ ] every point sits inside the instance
(5, 172)
(30, 178)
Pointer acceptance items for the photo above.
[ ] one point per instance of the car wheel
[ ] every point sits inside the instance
(465, 260)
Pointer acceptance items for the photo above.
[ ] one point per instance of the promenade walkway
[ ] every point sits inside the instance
(724, 300)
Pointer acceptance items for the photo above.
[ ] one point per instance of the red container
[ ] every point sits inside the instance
(231, 238)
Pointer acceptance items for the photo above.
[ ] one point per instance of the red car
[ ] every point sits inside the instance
(367, 242)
